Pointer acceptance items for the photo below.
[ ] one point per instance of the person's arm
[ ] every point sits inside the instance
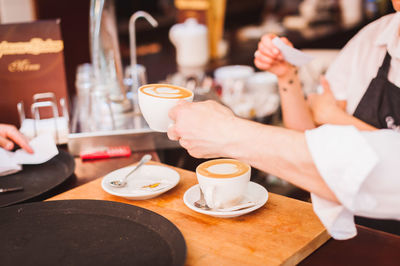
(295, 111)
(343, 118)
(208, 130)
(327, 110)
(10, 134)
(280, 152)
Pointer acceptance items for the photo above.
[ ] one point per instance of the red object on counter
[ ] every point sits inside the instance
(110, 152)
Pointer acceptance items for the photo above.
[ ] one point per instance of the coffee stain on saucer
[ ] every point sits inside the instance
(154, 185)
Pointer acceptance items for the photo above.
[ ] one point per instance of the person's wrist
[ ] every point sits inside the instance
(290, 72)
(335, 116)
(235, 137)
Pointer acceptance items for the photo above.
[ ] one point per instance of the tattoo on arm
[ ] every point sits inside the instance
(291, 81)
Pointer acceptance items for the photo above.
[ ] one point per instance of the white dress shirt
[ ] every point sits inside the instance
(358, 62)
(362, 170)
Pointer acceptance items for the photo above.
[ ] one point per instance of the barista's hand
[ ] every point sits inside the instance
(269, 57)
(10, 134)
(327, 110)
(324, 107)
(205, 129)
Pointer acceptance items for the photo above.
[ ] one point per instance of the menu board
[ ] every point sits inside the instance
(31, 61)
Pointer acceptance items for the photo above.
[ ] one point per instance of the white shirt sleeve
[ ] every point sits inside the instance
(361, 170)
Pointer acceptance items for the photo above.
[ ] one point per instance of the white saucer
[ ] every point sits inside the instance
(255, 193)
(146, 175)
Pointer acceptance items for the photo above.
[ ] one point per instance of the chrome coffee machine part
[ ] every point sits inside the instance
(105, 54)
(108, 92)
(104, 119)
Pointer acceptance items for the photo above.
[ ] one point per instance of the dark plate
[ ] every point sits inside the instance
(87, 232)
(37, 179)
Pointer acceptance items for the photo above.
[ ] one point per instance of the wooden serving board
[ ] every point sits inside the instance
(282, 232)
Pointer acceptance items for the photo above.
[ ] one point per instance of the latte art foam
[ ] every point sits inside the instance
(222, 168)
(166, 91)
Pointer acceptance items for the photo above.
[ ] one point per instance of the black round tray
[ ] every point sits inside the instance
(87, 232)
(37, 179)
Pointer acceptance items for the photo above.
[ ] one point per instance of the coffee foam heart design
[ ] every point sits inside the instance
(222, 168)
(166, 91)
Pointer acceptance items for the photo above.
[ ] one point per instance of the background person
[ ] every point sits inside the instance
(362, 86)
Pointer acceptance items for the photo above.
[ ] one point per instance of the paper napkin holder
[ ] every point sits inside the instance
(57, 125)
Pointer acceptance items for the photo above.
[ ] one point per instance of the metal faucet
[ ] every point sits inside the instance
(132, 40)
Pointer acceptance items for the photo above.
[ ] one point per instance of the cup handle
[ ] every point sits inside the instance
(209, 196)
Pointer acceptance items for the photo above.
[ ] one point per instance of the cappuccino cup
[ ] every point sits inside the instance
(223, 182)
(155, 101)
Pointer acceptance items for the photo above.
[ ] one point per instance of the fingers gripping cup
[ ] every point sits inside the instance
(155, 101)
(223, 182)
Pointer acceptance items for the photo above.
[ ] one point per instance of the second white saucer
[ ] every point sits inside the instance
(145, 176)
(255, 193)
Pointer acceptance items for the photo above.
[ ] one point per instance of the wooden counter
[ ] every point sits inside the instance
(284, 231)
(369, 247)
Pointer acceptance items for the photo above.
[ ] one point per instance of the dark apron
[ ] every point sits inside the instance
(380, 107)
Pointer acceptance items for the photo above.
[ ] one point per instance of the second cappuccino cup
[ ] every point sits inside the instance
(223, 182)
(155, 101)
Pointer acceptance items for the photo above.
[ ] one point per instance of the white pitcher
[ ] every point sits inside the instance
(191, 42)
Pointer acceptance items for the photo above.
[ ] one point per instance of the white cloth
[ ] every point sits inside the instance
(358, 62)
(7, 165)
(44, 149)
(292, 55)
(362, 170)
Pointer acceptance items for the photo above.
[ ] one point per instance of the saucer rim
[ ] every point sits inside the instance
(142, 194)
(226, 214)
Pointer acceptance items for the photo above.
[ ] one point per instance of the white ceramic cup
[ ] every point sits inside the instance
(262, 83)
(155, 101)
(223, 182)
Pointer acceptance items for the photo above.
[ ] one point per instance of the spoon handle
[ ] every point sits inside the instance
(238, 207)
(144, 160)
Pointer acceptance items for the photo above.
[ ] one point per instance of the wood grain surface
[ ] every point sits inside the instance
(282, 232)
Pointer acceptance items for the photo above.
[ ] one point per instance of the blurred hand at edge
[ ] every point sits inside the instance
(9, 135)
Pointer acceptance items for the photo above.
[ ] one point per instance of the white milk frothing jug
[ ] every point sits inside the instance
(191, 42)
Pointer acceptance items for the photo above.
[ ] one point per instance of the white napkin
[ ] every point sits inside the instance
(292, 55)
(7, 165)
(44, 149)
